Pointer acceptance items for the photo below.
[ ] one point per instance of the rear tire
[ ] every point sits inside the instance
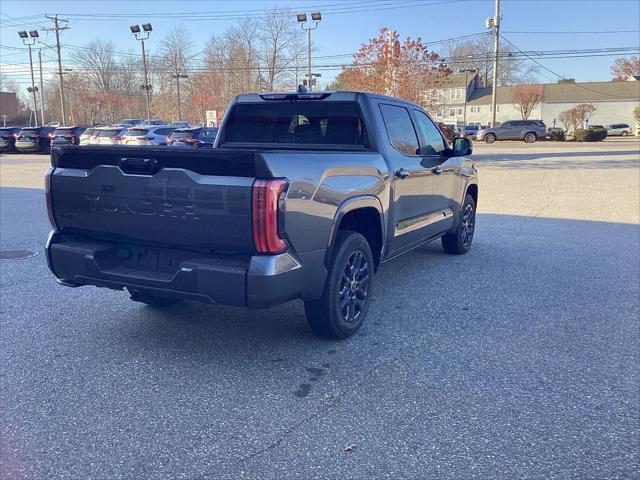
(489, 138)
(149, 298)
(342, 309)
(624, 133)
(530, 137)
(459, 241)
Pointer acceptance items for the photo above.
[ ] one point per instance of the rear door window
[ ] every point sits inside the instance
(400, 129)
(136, 132)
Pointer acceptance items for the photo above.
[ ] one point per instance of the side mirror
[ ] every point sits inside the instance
(462, 147)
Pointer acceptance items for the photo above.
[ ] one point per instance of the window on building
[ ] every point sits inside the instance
(400, 129)
(475, 109)
(452, 112)
(460, 111)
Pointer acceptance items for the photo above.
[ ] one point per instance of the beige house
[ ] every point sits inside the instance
(615, 101)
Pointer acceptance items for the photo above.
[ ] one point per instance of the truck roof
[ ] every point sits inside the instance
(334, 95)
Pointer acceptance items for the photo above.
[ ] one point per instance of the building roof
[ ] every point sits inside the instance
(566, 92)
(457, 80)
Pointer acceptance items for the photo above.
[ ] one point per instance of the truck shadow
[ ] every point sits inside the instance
(514, 260)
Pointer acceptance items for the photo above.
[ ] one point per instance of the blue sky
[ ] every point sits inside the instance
(343, 31)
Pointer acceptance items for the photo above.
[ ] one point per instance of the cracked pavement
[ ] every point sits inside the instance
(518, 360)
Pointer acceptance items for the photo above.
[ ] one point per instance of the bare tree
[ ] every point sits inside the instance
(584, 109)
(279, 37)
(565, 118)
(527, 97)
(478, 53)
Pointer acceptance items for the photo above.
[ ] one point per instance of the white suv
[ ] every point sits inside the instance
(619, 129)
(147, 135)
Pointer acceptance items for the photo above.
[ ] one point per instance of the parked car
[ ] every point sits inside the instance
(130, 121)
(153, 121)
(8, 138)
(67, 135)
(180, 125)
(470, 130)
(193, 137)
(619, 129)
(527, 130)
(87, 135)
(109, 135)
(151, 135)
(556, 133)
(34, 139)
(303, 196)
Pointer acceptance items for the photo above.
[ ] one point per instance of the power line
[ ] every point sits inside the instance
(557, 74)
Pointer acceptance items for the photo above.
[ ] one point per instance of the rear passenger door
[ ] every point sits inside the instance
(412, 183)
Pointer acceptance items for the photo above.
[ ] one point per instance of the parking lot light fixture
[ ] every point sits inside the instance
(29, 42)
(302, 19)
(135, 30)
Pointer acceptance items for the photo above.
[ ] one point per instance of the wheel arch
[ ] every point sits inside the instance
(362, 214)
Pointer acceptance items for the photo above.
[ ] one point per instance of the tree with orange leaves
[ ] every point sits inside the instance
(404, 69)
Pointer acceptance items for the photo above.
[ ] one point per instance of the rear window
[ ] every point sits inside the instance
(210, 134)
(310, 123)
(29, 131)
(182, 134)
(63, 131)
(107, 133)
(136, 132)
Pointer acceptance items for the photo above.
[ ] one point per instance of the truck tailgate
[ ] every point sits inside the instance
(200, 199)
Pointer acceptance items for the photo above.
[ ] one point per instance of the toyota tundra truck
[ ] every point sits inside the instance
(303, 196)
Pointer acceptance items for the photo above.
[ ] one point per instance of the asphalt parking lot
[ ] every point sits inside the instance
(518, 360)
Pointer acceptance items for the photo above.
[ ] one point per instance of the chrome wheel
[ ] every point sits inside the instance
(530, 138)
(489, 138)
(468, 224)
(354, 287)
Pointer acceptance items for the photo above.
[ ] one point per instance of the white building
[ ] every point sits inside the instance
(615, 102)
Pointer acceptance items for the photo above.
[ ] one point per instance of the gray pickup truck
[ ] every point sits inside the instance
(303, 196)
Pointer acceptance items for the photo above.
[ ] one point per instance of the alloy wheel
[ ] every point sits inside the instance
(354, 287)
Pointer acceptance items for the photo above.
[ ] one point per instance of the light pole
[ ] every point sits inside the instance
(302, 19)
(30, 42)
(135, 30)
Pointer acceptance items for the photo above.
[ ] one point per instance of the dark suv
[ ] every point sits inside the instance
(193, 137)
(34, 139)
(8, 138)
(527, 130)
(67, 135)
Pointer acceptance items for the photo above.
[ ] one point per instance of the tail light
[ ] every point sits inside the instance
(47, 194)
(118, 137)
(268, 196)
(191, 140)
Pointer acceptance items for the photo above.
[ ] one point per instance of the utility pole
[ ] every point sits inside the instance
(178, 76)
(33, 87)
(496, 49)
(41, 88)
(57, 28)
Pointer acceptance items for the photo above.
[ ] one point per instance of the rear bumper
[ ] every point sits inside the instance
(257, 281)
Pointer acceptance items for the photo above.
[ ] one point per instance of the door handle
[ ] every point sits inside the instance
(437, 170)
(402, 173)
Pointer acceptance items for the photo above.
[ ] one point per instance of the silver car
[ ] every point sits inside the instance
(619, 129)
(148, 135)
(526, 130)
(87, 135)
(108, 136)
